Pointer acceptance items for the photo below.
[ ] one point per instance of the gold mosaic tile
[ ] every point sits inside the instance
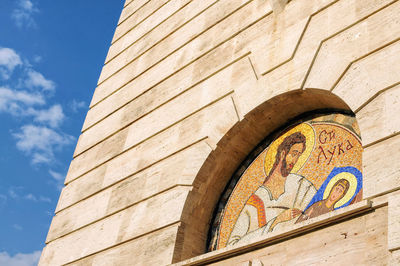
(310, 169)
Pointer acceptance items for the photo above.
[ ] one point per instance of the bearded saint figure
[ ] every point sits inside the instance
(280, 199)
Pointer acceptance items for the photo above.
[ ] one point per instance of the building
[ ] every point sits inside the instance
(190, 94)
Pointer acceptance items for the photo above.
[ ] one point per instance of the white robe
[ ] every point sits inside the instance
(298, 193)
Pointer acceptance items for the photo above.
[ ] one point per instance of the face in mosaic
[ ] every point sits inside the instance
(310, 169)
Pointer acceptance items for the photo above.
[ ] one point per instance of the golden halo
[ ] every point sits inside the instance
(308, 131)
(350, 192)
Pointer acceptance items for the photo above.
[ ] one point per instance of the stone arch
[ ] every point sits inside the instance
(231, 150)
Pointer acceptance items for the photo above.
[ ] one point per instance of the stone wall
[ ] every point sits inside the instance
(189, 87)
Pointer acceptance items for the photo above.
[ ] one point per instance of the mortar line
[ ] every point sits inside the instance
(157, 107)
(135, 173)
(337, 33)
(120, 22)
(172, 52)
(381, 140)
(236, 110)
(394, 249)
(128, 3)
(386, 192)
(375, 96)
(159, 132)
(168, 34)
(362, 57)
(190, 62)
(294, 51)
(140, 22)
(118, 210)
(158, 83)
(252, 66)
(107, 61)
(208, 144)
(124, 242)
(301, 37)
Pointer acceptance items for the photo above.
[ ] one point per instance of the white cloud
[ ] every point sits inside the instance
(37, 59)
(41, 142)
(20, 259)
(15, 101)
(37, 80)
(23, 14)
(56, 176)
(19, 103)
(8, 95)
(27, 96)
(76, 105)
(15, 193)
(9, 60)
(59, 178)
(12, 193)
(42, 158)
(26, 5)
(32, 197)
(44, 199)
(17, 227)
(52, 116)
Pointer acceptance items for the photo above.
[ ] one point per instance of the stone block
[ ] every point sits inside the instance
(378, 119)
(139, 219)
(324, 24)
(170, 44)
(394, 222)
(131, 8)
(340, 50)
(211, 122)
(166, 114)
(142, 56)
(394, 258)
(170, 56)
(238, 45)
(139, 17)
(184, 105)
(154, 93)
(153, 249)
(278, 5)
(179, 169)
(170, 8)
(127, 2)
(381, 173)
(369, 76)
(159, 33)
(278, 45)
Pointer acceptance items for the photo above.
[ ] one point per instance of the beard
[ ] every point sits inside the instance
(285, 169)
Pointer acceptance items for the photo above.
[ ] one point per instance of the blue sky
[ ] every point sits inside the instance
(51, 54)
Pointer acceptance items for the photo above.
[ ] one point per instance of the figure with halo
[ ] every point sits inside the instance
(283, 195)
(339, 190)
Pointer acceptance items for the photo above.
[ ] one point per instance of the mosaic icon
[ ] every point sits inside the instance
(309, 169)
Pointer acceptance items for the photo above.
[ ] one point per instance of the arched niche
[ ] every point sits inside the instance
(232, 149)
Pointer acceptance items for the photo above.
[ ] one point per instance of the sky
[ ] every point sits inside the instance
(51, 55)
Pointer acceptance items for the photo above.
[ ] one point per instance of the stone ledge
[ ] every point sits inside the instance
(306, 226)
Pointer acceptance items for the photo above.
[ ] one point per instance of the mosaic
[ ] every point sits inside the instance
(309, 169)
